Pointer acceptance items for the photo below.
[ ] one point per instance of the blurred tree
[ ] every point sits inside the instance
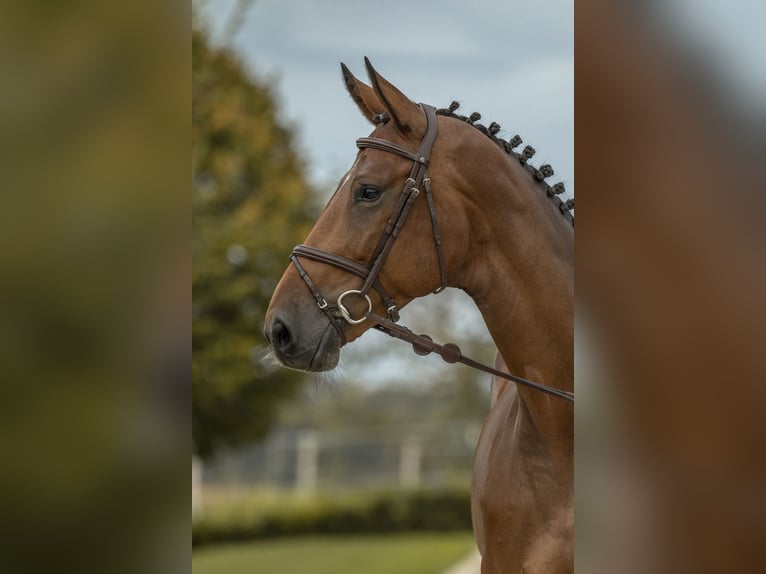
(249, 209)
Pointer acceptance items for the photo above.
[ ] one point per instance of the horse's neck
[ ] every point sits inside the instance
(521, 279)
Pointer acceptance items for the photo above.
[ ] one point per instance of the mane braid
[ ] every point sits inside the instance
(538, 175)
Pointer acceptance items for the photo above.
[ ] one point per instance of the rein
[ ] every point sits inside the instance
(449, 352)
(421, 344)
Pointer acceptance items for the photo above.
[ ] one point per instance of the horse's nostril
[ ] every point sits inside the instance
(280, 335)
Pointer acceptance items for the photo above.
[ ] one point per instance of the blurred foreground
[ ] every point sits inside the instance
(671, 282)
(94, 291)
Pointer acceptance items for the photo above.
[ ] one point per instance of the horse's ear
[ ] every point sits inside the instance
(407, 115)
(362, 94)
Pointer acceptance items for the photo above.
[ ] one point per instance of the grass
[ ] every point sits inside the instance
(394, 554)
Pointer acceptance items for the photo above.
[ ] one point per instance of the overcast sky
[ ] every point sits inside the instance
(510, 61)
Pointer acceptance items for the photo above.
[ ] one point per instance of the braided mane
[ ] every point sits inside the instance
(538, 174)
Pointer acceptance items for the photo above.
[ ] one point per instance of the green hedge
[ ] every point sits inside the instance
(443, 510)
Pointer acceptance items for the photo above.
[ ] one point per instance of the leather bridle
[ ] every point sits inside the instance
(370, 272)
(422, 344)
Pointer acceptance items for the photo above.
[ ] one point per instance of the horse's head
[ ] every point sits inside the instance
(311, 315)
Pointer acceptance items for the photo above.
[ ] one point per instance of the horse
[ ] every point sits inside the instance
(487, 223)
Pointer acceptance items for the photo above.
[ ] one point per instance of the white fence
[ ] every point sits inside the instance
(433, 455)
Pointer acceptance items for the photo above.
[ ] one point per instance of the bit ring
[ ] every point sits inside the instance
(345, 312)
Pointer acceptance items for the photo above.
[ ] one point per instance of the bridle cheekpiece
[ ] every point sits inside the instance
(370, 272)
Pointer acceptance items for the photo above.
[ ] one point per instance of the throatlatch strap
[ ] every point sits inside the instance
(437, 235)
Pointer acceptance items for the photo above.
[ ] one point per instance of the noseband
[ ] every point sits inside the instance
(371, 271)
(422, 344)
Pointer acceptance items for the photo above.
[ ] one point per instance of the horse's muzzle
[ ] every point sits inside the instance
(307, 345)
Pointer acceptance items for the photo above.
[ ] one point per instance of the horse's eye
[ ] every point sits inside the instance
(368, 194)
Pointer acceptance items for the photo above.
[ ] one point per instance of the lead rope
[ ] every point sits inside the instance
(449, 352)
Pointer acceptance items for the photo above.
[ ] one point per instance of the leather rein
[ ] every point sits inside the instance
(421, 344)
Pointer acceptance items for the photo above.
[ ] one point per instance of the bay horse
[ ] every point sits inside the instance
(488, 224)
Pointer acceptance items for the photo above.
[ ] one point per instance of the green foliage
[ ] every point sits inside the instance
(249, 198)
(385, 512)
